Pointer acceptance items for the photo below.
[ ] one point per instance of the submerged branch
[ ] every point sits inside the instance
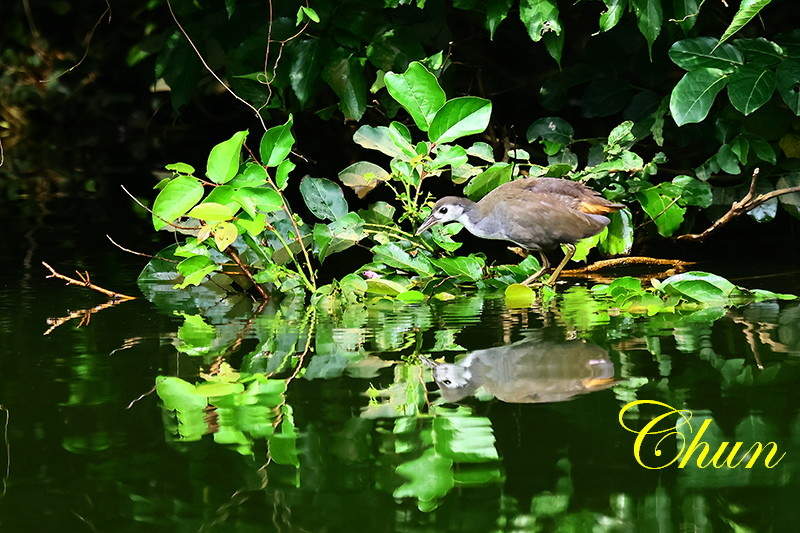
(668, 267)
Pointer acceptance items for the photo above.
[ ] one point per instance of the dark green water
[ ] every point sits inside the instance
(89, 446)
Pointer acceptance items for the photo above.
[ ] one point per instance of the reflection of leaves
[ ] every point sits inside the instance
(429, 477)
(464, 438)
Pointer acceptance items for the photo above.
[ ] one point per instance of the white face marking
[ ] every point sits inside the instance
(447, 212)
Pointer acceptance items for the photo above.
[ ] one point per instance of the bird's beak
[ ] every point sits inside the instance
(430, 221)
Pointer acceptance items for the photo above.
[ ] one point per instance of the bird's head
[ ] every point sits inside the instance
(448, 209)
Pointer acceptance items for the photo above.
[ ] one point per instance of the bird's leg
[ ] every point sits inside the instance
(554, 276)
(545, 265)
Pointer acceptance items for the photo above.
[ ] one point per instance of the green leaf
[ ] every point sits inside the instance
(223, 161)
(613, 13)
(418, 91)
(253, 175)
(282, 174)
(788, 84)
(323, 198)
(727, 160)
(254, 226)
(346, 77)
(194, 270)
(411, 297)
(460, 117)
(276, 144)
(447, 154)
(482, 150)
(748, 9)
(383, 286)
(211, 212)
(686, 12)
(306, 63)
(763, 150)
(378, 138)
(619, 239)
(488, 180)
(223, 194)
(393, 49)
(551, 129)
(648, 17)
(496, 12)
(174, 200)
(362, 177)
(760, 52)
(255, 199)
(393, 256)
(181, 168)
(750, 87)
(468, 268)
(379, 213)
(700, 287)
(662, 209)
(694, 94)
(310, 13)
(704, 52)
(401, 137)
(519, 296)
(539, 17)
(693, 191)
(339, 235)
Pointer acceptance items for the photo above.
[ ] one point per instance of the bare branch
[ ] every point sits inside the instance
(745, 205)
(85, 281)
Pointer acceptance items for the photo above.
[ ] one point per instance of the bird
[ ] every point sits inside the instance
(536, 214)
(535, 369)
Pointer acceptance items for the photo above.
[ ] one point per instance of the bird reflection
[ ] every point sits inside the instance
(533, 370)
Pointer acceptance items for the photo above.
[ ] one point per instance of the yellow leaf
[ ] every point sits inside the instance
(224, 235)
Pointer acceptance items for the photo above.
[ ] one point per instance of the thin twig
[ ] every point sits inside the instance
(210, 70)
(88, 44)
(165, 221)
(128, 250)
(85, 281)
(745, 205)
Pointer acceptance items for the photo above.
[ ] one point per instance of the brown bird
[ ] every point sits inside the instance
(536, 214)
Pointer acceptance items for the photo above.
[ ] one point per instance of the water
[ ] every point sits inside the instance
(364, 441)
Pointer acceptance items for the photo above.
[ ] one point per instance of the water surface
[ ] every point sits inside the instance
(509, 420)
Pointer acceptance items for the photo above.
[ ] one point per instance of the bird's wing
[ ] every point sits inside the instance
(570, 193)
(541, 221)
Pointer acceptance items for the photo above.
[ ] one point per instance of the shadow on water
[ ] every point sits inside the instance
(212, 413)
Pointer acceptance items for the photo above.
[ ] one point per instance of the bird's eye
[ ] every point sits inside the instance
(443, 210)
